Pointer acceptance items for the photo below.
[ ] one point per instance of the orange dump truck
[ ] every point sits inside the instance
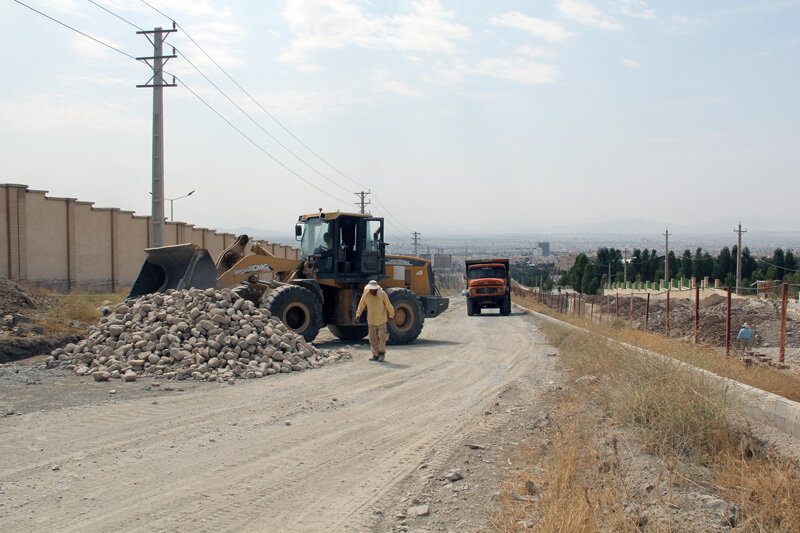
(488, 285)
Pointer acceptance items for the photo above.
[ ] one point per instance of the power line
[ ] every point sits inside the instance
(254, 143)
(274, 118)
(120, 17)
(253, 99)
(188, 88)
(95, 39)
(778, 266)
(258, 125)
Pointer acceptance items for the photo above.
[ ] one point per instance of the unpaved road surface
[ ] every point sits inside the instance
(311, 451)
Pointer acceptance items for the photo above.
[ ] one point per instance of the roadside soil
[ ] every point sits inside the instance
(347, 447)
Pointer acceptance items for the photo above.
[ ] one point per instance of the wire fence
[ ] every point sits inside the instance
(772, 312)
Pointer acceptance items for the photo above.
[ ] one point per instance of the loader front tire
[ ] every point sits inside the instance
(409, 316)
(298, 308)
(348, 333)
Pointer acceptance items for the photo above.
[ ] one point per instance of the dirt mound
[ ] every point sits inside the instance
(210, 335)
(14, 298)
(712, 301)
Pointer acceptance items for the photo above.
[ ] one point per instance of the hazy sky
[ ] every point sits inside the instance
(461, 115)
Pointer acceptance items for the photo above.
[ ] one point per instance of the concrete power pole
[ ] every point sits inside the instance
(361, 203)
(156, 62)
(666, 257)
(739, 231)
(416, 235)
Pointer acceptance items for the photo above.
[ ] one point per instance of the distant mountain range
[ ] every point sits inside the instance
(650, 227)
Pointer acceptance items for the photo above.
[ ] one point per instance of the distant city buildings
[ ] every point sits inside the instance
(544, 248)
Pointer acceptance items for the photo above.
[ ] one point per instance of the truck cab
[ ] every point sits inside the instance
(488, 286)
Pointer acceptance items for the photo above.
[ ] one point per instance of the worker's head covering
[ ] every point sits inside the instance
(373, 285)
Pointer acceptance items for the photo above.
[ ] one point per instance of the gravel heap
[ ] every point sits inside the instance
(211, 335)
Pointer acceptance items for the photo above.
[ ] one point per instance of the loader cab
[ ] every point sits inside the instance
(346, 248)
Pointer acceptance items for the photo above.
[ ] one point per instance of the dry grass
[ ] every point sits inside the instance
(766, 378)
(679, 416)
(767, 488)
(72, 307)
(680, 412)
(579, 491)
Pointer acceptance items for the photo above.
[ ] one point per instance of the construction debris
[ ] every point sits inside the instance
(210, 335)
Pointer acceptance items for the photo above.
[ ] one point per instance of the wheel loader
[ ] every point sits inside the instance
(340, 253)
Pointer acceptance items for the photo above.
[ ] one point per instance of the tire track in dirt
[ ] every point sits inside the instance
(222, 458)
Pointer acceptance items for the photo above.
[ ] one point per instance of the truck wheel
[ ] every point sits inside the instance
(505, 307)
(470, 309)
(348, 333)
(408, 316)
(298, 308)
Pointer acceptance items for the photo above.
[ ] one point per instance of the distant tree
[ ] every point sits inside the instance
(778, 264)
(590, 282)
(724, 265)
(574, 277)
(749, 266)
(686, 264)
(635, 265)
(674, 265)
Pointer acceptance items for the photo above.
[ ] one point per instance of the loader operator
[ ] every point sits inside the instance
(379, 311)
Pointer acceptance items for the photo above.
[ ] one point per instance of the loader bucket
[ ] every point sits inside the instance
(177, 267)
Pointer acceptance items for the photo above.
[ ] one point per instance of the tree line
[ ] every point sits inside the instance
(589, 275)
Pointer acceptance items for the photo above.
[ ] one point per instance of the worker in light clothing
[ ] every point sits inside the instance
(745, 337)
(379, 311)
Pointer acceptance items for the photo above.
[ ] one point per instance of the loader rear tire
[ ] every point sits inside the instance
(298, 308)
(348, 333)
(409, 316)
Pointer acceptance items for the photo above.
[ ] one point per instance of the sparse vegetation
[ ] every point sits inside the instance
(779, 382)
(685, 422)
(71, 312)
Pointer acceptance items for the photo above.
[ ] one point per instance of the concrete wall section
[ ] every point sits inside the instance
(4, 231)
(65, 244)
(47, 237)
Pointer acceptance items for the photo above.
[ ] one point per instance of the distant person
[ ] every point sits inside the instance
(379, 311)
(745, 337)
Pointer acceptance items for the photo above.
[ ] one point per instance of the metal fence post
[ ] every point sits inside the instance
(617, 305)
(667, 322)
(591, 313)
(647, 312)
(784, 304)
(728, 325)
(696, 314)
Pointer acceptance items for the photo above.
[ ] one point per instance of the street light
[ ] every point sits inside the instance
(171, 202)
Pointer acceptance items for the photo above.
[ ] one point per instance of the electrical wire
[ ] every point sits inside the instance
(251, 97)
(95, 39)
(254, 143)
(257, 124)
(778, 266)
(120, 17)
(276, 160)
(274, 118)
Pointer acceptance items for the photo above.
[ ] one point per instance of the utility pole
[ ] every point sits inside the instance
(417, 236)
(361, 203)
(739, 231)
(625, 267)
(666, 257)
(156, 62)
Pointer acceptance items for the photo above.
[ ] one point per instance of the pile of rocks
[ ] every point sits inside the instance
(211, 335)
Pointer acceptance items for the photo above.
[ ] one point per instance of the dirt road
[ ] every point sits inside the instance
(299, 452)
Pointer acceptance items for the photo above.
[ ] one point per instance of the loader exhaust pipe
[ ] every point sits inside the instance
(178, 267)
